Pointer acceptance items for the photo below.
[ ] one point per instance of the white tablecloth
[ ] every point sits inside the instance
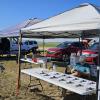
(72, 83)
(39, 61)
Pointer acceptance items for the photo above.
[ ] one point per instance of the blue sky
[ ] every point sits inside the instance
(16, 11)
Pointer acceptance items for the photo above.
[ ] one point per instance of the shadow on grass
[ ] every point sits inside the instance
(45, 97)
(79, 97)
(3, 98)
(3, 58)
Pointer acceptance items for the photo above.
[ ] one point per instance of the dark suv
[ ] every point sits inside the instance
(63, 50)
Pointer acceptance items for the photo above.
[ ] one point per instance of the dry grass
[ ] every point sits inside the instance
(8, 83)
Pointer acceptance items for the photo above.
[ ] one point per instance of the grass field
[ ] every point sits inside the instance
(8, 82)
(8, 85)
(48, 44)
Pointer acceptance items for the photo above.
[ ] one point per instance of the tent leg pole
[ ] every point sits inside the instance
(43, 45)
(98, 73)
(81, 46)
(81, 40)
(19, 65)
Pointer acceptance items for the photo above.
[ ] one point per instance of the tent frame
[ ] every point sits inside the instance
(19, 66)
(98, 72)
(56, 24)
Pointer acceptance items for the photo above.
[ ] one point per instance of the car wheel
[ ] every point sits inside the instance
(34, 50)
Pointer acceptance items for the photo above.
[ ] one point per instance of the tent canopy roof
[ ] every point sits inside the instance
(14, 31)
(84, 17)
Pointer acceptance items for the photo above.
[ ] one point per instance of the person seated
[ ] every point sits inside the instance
(81, 69)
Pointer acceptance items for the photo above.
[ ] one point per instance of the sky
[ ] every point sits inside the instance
(13, 12)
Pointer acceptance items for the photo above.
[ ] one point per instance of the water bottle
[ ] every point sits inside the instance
(25, 57)
(54, 67)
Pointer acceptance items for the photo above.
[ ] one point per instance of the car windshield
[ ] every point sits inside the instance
(63, 45)
(30, 42)
(94, 46)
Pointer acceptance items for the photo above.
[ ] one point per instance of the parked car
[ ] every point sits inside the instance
(91, 54)
(26, 46)
(64, 50)
(10, 46)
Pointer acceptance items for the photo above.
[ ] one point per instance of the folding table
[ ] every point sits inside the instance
(75, 84)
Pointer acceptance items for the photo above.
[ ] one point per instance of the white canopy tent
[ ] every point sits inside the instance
(14, 31)
(83, 18)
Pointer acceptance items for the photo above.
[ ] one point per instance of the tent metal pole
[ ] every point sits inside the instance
(79, 39)
(43, 45)
(98, 72)
(81, 46)
(19, 64)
